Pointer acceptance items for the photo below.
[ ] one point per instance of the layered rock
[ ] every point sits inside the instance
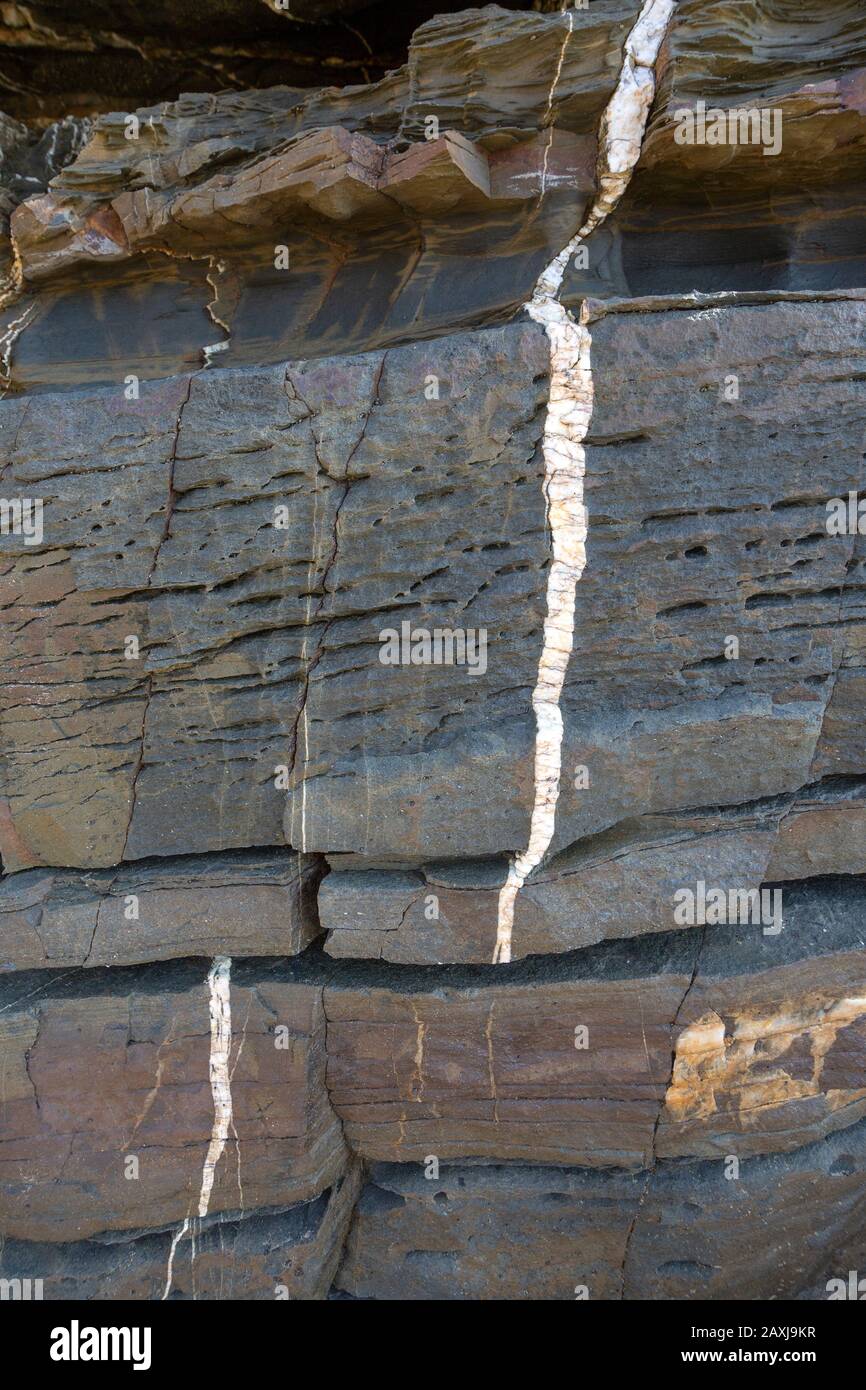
(291, 1253)
(734, 1040)
(109, 1110)
(251, 903)
(690, 1232)
(243, 616)
(570, 1062)
(621, 882)
(767, 198)
(291, 666)
(288, 622)
(319, 205)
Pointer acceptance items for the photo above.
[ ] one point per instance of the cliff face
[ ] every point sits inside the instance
(432, 769)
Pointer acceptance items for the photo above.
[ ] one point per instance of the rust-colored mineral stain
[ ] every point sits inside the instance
(756, 1061)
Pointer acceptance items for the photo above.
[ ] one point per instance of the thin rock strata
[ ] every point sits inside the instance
(569, 411)
(561, 1233)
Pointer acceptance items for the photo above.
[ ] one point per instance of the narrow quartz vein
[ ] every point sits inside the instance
(569, 30)
(219, 992)
(219, 987)
(569, 411)
(175, 1241)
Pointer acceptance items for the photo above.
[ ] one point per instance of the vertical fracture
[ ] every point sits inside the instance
(569, 410)
(220, 1006)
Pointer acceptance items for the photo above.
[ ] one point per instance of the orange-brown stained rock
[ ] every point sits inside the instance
(764, 1059)
(676, 1061)
(496, 1072)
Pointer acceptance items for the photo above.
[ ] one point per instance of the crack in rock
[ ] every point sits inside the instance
(653, 1158)
(219, 991)
(171, 501)
(301, 719)
(568, 415)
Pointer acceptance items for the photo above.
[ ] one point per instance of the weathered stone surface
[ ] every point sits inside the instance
(494, 1072)
(569, 1060)
(725, 216)
(101, 1066)
(177, 752)
(291, 618)
(266, 1254)
(697, 217)
(249, 903)
(221, 182)
(487, 349)
(619, 883)
(685, 1231)
(664, 721)
(333, 174)
(770, 1040)
(28, 161)
(699, 1043)
(824, 832)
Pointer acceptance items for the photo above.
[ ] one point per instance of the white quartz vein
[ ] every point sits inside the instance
(568, 415)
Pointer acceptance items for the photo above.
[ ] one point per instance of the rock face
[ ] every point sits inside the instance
(290, 481)
(253, 903)
(682, 1232)
(291, 1253)
(111, 1065)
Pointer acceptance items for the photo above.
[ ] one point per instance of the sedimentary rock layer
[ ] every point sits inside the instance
(572, 1063)
(250, 903)
(621, 882)
(776, 203)
(291, 1253)
(105, 1066)
(693, 1044)
(291, 672)
(687, 1231)
(381, 227)
(179, 750)
(569, 410)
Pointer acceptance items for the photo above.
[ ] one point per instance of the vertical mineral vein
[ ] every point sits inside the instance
(569, 410)
(175, 1241)
(219, 993)
(218, 982)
